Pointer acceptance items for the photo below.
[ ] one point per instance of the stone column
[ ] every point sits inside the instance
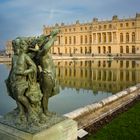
(112, 37)
(101, 37)
(96, 40)
(107, 37)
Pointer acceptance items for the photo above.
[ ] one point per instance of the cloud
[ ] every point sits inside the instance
(27, 17)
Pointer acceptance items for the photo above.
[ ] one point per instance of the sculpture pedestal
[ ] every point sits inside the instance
(64, 130)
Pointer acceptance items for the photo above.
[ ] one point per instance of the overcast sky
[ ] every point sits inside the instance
(27, 17)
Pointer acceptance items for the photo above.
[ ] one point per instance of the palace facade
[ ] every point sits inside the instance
(110, 37)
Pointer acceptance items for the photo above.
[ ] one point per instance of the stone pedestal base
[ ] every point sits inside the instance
(64, 130)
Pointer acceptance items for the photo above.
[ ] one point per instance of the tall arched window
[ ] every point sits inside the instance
(81, 50)
(109, 49)
(121, 37)
(100, 27)
(66, 40)
(133, 37)
(127, 37)
(99, 50)
(104, 49)
(99, 38)
(104, 37)
(110, 37)
(85, 39)
(133, 49)
(90, 49)
(110, 26)
(121, 49)
(127, 49)
(70, 40)
(90, 39)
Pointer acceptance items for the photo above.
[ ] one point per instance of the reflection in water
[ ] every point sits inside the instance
(81, 82)
(6, 103)
(98, 75)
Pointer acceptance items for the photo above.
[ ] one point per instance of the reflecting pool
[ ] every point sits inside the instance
(81, 82)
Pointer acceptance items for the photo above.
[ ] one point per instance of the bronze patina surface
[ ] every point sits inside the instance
(31, 81)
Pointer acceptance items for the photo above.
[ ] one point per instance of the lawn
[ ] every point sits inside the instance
(125, 127)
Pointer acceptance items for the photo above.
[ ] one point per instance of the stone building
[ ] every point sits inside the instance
(110, 37)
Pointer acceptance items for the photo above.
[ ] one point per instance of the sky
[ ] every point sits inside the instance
(27, 17)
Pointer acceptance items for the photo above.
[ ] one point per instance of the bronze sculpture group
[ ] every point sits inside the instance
(32, 78)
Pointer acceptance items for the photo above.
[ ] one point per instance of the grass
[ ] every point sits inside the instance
(125, 127)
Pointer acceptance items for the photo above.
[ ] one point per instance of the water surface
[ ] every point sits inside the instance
(81, 82)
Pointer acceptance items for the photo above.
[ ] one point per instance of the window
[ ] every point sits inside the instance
(121, 25)
(81, 28)
(104, 49)
(127, 24)
(121, 49)
(99, 63)
(99, 37)
(85, 39)
(121, 37)
(109, 49)
(109, 37)
(133, 37)
(99, 50)
(70, 40)
(110, 26)
(104, 37)
(127, 37)
(90, 38)
(90, 49)
(81, 50)
(133, 64)
(104, 26)
(127, 49)
(100, 27)
(133, 49)
(133, 23)
(66, 40)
